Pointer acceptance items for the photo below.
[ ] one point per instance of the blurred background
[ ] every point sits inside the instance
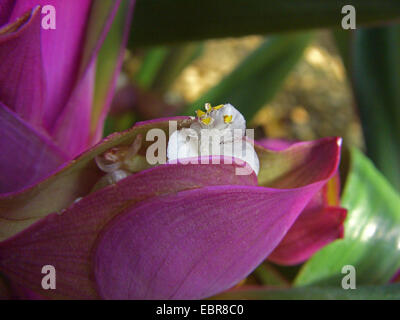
(315, 100)
(291, 69)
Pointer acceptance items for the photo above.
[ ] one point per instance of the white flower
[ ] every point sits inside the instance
(183, 144)
(217, 131)
(119, 162)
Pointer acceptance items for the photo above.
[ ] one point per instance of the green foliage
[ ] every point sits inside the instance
(169, 21)
(257, 79)
(162, 65)
(109, 59)
(386, 292)
(373, 61)
(372, 232)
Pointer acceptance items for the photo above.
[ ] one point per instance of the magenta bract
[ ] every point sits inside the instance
(172, 231)
(320, 223)
(46, 83)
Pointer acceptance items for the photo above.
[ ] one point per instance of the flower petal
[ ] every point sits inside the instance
(61, 50)
(320, 223)
(194, 244)
(297, 165)
(396, 277)
(312, 230)
(72, 128)
(26, 155)
(77, 112)
(75, 179)
(237, 121)
(22, 84)
(6, 7)
(66, 241)
(183, 144)
(198, 243)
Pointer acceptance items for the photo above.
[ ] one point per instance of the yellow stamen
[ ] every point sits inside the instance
(206, 120)
(200, 113)
(208, 107)
(218, 107)
(227, 118)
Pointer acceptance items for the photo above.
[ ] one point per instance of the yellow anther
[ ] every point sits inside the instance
(208, 107)
(218, 107)
(206, 120)
(227, 119)
(200, 113)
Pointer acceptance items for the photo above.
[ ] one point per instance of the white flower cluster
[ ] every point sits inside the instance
(217, 131)
(120, 162)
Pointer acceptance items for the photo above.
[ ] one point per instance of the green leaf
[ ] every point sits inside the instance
(256, 80)
(162, 65)
(150, 66)
(109, 62)
(178, 58)
(376, 78)
(167, 21)
(372, 60)
(268, 275)
(343, 39)
(372, 232)
(387, 292)
(101, 13)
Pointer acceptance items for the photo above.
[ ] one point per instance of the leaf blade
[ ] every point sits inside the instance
(387, 292)
(372, 237)
(184, 20)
